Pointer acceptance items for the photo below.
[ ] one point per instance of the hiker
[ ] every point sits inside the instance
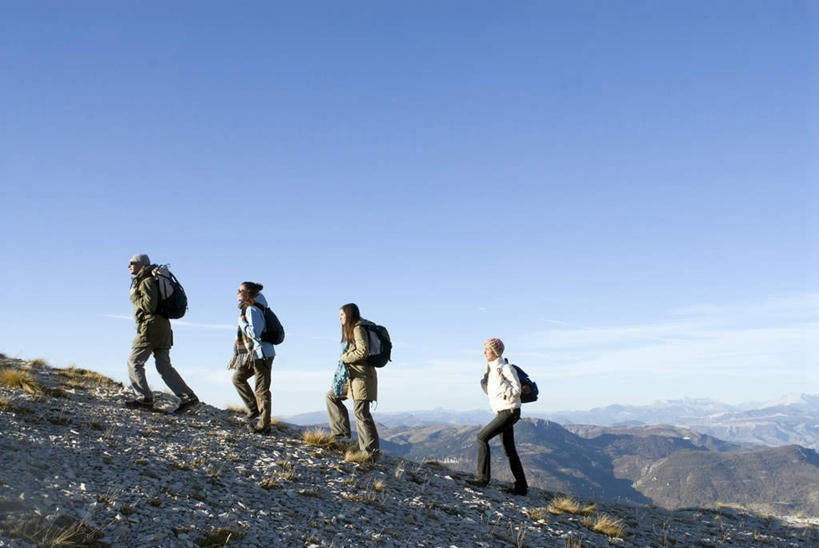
(503, 388)
(154, 336)
(253, 357)
(356, 379)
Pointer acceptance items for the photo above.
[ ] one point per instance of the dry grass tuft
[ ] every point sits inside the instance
(379, 486)
(79, 378)
(319, 438)
(608, 525)
(64, 531)
(9, 406)
(238, 409)
(219, 537)
(38, 362)
(270, 484)
(358, 456)
(537, 514)
(588, 510)
(729, 506)
(563, 505)
(21, 380)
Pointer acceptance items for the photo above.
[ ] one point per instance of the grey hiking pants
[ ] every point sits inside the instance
(364, 423)
(162, 357)
(259, 401)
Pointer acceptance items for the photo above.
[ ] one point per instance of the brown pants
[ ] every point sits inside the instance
(259, 401)
(364, 423)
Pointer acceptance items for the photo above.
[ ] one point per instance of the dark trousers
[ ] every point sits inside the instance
(503, 424)
(258, 400)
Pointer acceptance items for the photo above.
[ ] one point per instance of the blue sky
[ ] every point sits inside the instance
(624, 192)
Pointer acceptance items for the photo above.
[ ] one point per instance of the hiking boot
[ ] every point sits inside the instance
(185, 404)
(258, 429)
(515, 490)
(140, 403)
(477, 482)
(249, 417)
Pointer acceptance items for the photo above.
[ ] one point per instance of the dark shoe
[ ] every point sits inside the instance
(140, 403)
(514, 490)
(257, 429)
(250, 417)
(185, 404)
(477, 482)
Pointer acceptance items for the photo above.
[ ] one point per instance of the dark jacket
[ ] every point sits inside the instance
(153, 330)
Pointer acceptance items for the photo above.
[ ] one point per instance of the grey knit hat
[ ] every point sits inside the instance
(140, 259)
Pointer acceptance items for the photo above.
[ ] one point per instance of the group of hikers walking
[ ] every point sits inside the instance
(356, 378)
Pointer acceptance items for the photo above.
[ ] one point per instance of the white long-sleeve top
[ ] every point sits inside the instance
(503, 386)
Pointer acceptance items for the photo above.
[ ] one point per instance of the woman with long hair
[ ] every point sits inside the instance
(356, 379)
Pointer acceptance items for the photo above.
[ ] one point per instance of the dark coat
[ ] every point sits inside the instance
(153, 330)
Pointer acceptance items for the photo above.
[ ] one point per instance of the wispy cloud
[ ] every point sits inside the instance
(773, 335)
(178, 322)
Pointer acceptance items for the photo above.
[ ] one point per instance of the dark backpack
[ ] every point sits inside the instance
(273, 330)
(173, 303)
(379, 346)
(528, 387)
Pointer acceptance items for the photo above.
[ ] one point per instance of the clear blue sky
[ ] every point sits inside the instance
(624, 192)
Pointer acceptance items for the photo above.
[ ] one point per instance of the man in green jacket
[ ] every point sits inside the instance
(154, 336)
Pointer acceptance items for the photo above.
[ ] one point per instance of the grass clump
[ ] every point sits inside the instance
(9, 406)
(379, 486)
(563, 505)
(607, 525)
(237, 409)
(38, 362)
(270, 484)
(319, 438)
(63, 531)
(537, 514)
(20, 380)
(354, 455)
(219, 537)
(77, 377)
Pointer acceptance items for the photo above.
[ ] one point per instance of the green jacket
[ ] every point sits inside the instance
(153, 330)
(363, 383)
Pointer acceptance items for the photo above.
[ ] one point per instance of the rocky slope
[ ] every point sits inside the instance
(79, 468)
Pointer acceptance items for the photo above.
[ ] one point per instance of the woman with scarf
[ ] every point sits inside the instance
(253, 357)
(356, 379)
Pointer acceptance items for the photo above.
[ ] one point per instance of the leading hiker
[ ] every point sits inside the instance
(154, 336)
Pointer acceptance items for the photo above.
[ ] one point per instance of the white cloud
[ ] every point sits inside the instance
(184, 323)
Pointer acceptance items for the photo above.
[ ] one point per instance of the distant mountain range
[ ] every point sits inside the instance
(793, 419)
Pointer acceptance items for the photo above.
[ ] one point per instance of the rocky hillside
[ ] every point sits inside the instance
(79, 468)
